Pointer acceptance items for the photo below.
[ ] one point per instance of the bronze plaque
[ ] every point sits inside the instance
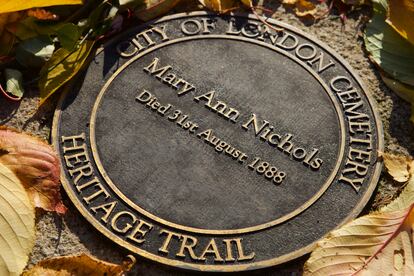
(216, 143)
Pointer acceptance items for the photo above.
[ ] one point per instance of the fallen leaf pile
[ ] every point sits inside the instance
(376, 244)
(29, 178)
(54, 38)
(45, 43)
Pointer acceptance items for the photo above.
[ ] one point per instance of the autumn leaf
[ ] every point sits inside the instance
(19, 5)
(393, 53)
(17, 224)
(220, 6)
(399, 167)
(36, 165)
(406, 198)
(154, 8)
(80, 265)
(302, 7)
(400, 16)
(369, 245)
(42, 14)
(63, 65)
(375, 244)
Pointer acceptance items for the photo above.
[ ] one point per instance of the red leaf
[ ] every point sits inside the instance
(36, 165)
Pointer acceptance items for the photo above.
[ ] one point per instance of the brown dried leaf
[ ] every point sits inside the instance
(81, 265)
(399, 167)
(36, 165)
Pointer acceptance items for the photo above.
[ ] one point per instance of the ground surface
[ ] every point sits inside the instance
(71, 234)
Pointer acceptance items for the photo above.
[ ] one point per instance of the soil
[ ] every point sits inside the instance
(72, 234)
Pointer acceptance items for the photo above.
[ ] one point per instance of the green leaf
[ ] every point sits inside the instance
(68, 35)
(30, 27)
(34, 52)
(387, 48)
(14, 83)
(63, 66)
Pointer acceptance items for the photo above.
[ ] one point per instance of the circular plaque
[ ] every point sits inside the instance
(218, 143)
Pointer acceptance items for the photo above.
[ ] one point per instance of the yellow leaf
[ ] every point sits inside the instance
(42, 14)
(17, 225)
(36, 165)
(401, 17)
(305, 8)
(220, 6)
(154, 8)
(62, 66)
(405, 199)
(376, 244)
(399, 167)
(247, 3)
(302, 7)
(289, 2)
(19, 5)
(81, 265)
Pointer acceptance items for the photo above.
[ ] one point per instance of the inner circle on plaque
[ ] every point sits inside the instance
(178, 178)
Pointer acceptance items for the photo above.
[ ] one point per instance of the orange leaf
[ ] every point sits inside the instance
(36, 165)
(81, 265)
(42, 14)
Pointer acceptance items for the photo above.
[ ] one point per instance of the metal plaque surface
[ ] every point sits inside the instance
(217, 143)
